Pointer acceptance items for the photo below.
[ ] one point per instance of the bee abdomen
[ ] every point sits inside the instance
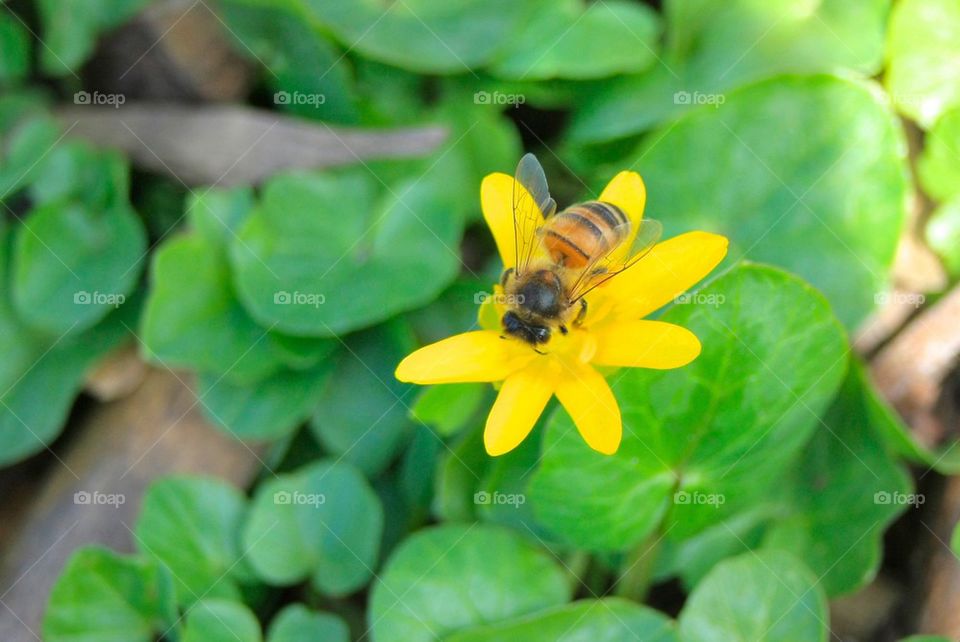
(579, 233)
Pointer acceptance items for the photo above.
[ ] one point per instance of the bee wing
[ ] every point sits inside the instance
(609, 264)
(531, 205)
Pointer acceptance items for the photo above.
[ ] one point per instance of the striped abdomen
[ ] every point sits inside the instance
(582, 232)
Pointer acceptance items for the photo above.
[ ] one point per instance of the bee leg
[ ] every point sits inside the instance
(538, 351)
(581, 315)
(505, 277)
(563, 329)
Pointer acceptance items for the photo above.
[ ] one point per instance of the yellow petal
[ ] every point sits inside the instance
(519, 404)
(645, 344)
(496, 200)
(591, 404)
(670, 269)
(471, 356)
(627, 192)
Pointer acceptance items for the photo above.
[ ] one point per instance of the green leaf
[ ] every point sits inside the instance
(938, 167)
(581, 41)
(217, 620)
(448, 578)
(766, 596)
(104, 597)
(459, 475)
(846, 490)
(14, 48)
(297, 623)
(217, 213)
(924, 38)
(793, 171)
(73, 265)
(716, 46)
(322, 522)
(706, 440)
(943, 234)
(193, 318)
(75, 171)
(71, 29)
(362, 414)
(24, 146)
(307, 74)
(607, 620)
(448, 408)
(36, 397)
(192, 524)
(263, 410)
(300, 264)
(428, 36)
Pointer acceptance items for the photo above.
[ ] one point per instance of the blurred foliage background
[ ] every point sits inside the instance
(752, 486)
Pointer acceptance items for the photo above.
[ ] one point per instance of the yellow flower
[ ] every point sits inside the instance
(613, 333)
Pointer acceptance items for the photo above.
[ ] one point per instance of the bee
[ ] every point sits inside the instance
(562, 256)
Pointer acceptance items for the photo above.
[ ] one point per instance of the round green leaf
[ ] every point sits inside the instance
(715, 46)
(362, 414)
(943, 234)
(193, 319)
(297, 623)
(73, 265)
(843, 494)
(263, 410)
(220, 621)
(105, 597)
(303, 266)
(192, 525)
(448, 578)
(703, 441)
(606, 620)
(939, 165)
(321, 522)
(35, 401)
(924, 41)
(767, 596)
(580, 41)
(428, 36)
(803, 172)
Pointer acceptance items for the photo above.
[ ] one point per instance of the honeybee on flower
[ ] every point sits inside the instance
(575, 286)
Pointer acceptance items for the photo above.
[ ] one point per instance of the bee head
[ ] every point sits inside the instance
(532, 333)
